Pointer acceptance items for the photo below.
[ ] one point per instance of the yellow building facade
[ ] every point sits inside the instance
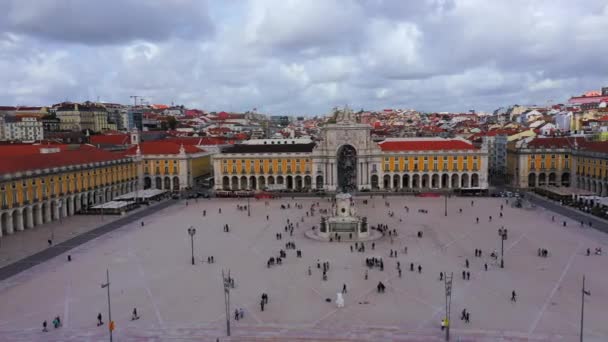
(42, 184)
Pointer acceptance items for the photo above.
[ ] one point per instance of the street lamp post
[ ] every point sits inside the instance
(446, 204)
(448, 303)
(503, 237)
(583, 294)
(107, 286)
(226, 282)
(248, 207)
(191, 232)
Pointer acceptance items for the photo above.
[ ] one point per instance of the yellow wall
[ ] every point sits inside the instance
(266, 164)
(201, 166)
(104, 176)
(402, 166)
(552, 161)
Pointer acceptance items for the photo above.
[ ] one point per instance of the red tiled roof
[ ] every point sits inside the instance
(161, 147)
(12, 161)
(596, 146)
(555, 142)
(426, 145)
(110, 139)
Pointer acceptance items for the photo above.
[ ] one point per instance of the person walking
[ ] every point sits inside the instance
(513, 296)
(485, 266)
(344, 288)
(99, 319)
(440, 276)
(44, 329)
(419, 268)
(466, 263)
(134, 315)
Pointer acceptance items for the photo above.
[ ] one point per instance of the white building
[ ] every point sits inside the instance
(23, 129)
(563, 121)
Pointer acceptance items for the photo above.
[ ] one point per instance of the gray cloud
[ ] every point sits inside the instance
(105, 22)
(305, 57)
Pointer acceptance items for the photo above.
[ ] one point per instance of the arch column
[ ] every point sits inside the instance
(64, 208)
(38, 216)
(71, 206)
(29, 217)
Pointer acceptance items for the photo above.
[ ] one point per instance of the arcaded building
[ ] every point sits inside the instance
(347, 159)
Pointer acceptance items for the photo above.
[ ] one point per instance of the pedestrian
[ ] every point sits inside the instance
(419, 268)
(477, 219)
(142, 223)
(134, 315)
(588, 252)
(99, 319)
(69, 257)
(373, 246)
(399, 270)
(464, 275)
(242, 313)
(50, 242)
(351, 248)
(344, 288)
(467, 317)
(513, 296)
(44, 327)
(262, 305)
(411, 266)
(463, 315)
(365, 274)
(204, 212)
(468, 275)
(485, 266)
(236, 314)
(440, 276)
(553, 218)
(466, 263)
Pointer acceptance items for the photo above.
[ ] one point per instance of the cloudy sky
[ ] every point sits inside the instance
(303, 57)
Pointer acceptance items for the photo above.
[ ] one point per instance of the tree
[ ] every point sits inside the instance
(171, 122)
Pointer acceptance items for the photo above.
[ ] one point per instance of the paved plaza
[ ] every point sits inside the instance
(150, 269)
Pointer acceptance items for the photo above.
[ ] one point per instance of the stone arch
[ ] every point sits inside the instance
(280, 180)
(226, 183)
(307, 182)
(445, 181)
(270, 180)
(17, 219)
(552, 178)
(396, 180)
(455, 181)
(542, 179)
(474, 180)
(261, 182)
(374, 181)
(253, 184)
(28, 217)
(6, 223)
(531, 180)
(435, 181)
(176, 185)
(565, 179)
(425, 181)
(464, 181)
(243, 183)
(234, 183)
(289, 182)
(159, 183)
(319, 182)
(167, 183)
(406, 181)
(108, 195)
(387, 181)
(298, 183)
(600, 188)
(416, 181)
(347, 168)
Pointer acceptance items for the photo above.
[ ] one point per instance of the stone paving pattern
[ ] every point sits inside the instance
(150, 269)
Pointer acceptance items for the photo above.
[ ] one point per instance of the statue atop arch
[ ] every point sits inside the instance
(345, 116)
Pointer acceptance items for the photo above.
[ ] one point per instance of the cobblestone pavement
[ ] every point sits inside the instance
(150, 269)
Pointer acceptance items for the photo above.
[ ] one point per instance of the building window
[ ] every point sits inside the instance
(234, 168)
(261, 165)
(166, 169)
(225, 168)
(280, 169)
(386, 167)
(251, 168)
(396, 166)
(175, 168)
